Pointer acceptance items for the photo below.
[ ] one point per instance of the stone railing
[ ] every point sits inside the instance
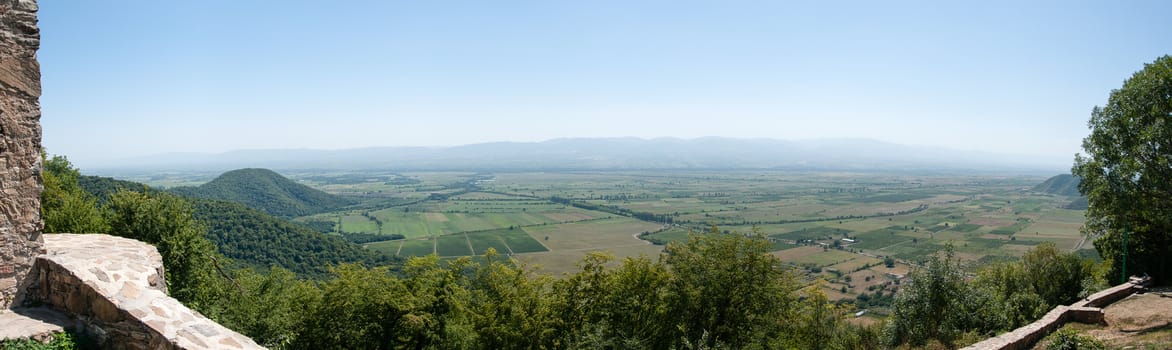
(1088, 310)
(115, 290)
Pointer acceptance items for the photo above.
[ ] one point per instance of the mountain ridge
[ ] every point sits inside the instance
(620, 153)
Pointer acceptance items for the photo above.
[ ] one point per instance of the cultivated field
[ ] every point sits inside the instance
(836, 229)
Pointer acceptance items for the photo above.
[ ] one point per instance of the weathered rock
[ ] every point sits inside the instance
(128, 311)
(20, 145)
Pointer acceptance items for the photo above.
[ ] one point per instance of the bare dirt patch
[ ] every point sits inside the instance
(436, 217)
(1140, 312)
(1141, 321)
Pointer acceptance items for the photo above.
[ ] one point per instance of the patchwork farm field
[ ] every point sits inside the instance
(854, 234)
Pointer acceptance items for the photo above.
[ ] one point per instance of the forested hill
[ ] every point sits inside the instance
(1062, 185)
(103, 187)
(267, 191)
(252, 238)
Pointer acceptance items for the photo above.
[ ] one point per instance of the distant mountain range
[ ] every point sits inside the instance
(614, 154)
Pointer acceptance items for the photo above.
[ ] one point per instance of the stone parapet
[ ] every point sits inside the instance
(115, 288)
(1088, 310)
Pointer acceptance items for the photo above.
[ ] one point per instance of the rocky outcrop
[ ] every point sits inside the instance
(20, 145)
(115, 290)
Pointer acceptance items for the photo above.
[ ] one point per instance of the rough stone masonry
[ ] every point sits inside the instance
(20, 145)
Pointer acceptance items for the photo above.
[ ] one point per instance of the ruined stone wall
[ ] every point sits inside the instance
(114, 286)
(20, 145)
(1088, 310)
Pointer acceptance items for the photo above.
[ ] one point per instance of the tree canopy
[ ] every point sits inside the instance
(1127, 174)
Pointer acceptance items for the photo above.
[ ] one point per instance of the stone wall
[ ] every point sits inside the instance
(20, 145)
(1087, 310)
(114, 287)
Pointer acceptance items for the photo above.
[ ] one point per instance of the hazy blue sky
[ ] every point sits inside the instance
(127, 78)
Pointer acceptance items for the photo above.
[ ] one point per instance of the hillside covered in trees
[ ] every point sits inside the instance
(267, 191)
(246, 236)
(255, 239)
(1062, 185)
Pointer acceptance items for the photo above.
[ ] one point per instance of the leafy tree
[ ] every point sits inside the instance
(727, 289)
(442, 316)
(636, 305)
(937, 305)
(65, 207)
(1127, 173)
(1055, 276)
(1012, 292)
(360, 309)
(621, 307)
(1070, 339)
(267, 307)
(167, 222)
(509, 306)
(819, 324)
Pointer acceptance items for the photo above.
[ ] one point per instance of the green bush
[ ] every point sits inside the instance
(1069, 339)
(61, 341)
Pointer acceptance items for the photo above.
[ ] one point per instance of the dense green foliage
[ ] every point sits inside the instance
(713, 291)
(103, 187)
(1070, 339)
(60, 341)
(253, 238)
(1127, 174)
(370, 237)
(167, 222)
(941, 304)
(65, 206)
(1062, 185)
(728, 288)
(161, 219)
(267, 191)
(181, 228)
